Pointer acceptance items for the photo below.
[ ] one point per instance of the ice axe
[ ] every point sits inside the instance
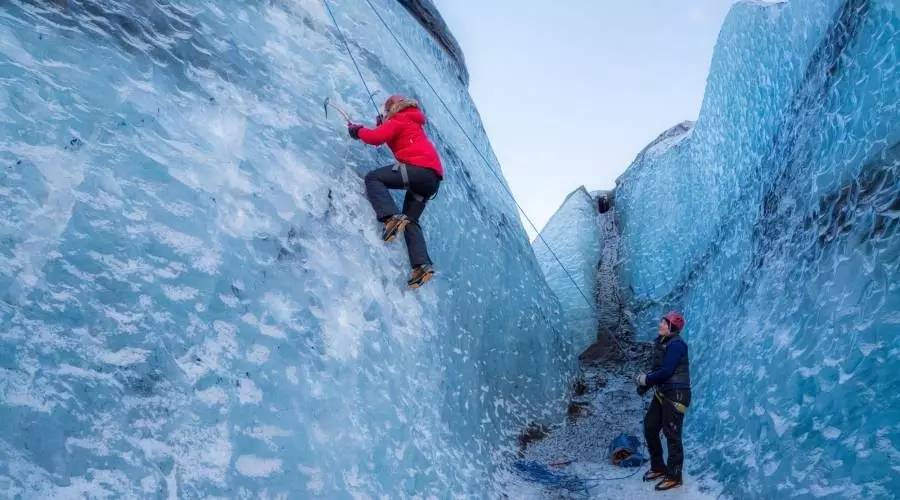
(343, 113)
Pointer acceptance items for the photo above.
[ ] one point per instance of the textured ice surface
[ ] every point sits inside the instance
(780, 239)
(195, 298)
(573, 234)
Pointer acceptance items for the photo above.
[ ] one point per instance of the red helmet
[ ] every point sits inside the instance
(675, 319)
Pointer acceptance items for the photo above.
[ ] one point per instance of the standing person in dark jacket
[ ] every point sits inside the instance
(418, 170)
(672, 379)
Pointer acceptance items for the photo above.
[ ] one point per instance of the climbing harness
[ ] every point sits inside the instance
(404, 174)
(680, 408)
(458, 124)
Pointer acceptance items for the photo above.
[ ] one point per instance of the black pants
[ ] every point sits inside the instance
(423, 182)
(663, 416)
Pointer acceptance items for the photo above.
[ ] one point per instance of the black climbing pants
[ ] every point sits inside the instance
(664, 416)
(423, 182)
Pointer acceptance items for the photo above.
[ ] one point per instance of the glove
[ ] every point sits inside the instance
(640, 379)
(642, 389)
(353, 130)
(379, 119)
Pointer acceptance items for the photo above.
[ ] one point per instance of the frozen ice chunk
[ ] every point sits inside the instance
(572, 235)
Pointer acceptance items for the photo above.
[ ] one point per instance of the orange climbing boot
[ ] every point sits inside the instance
(668, 484)
(420, 275)
(652, 475)
(394, 226)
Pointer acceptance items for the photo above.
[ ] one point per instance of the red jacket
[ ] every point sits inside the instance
(405, 135)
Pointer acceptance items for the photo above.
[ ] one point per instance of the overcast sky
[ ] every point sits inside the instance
(571, 90)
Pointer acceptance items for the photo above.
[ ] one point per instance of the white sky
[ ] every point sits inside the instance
(571, 90)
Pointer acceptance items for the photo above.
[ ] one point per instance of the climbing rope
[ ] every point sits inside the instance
(462, 129)
(352, 58)
(601, 479)
(539, 473)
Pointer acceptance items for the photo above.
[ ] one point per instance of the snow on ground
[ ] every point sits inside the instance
(612, 407)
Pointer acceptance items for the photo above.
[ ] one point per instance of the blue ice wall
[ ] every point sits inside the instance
(194, 297)
(777, 233)
(572, 235)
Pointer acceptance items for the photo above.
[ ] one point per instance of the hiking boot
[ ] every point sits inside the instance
(393, 226)
(420, 275)
(667, 484)
(652, 475)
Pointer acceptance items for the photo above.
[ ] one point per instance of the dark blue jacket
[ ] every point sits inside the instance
(670, 364)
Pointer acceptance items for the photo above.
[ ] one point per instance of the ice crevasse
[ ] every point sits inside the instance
(772, 223)
(194, 297)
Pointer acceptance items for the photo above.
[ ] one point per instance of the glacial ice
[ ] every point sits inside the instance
(573, 235)
(195, 298)
(195, 301)
(779, 214)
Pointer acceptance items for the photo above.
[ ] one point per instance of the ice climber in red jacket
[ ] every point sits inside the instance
(418, 170)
